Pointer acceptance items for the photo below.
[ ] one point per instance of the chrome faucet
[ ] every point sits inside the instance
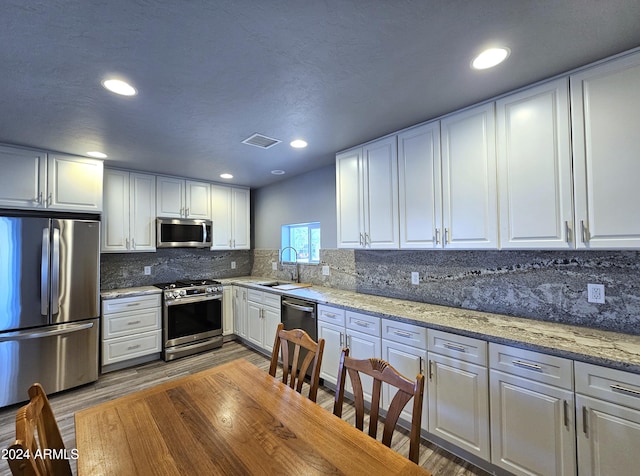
(297, 274)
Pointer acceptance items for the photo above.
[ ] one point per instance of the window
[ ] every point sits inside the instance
(305, 239)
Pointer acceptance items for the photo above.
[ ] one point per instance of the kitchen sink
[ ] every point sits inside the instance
(272, 284)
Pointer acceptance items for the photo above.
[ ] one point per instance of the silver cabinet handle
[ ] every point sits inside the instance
(133, 347)
(406, 334)
(567, 230)
(341, 339)
(361, 323)
(527, 365)
(133, 323)
(234, 243)
(456, 347)
(126, 243)
(437, 236)
(585, 418)
(49, 200)
(584, 233)
(629, 391)
(133, 243)
(446, 236)
(421, 368)
(431, 370)
(133, 304)
(565, 409)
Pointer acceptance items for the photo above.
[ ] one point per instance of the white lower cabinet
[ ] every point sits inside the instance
(532, 412)
(404, 346)
(263, 317)
(608, 420)
(227, 310)
(331, 329)
(240, 311)
(458, 382)
(362, 337)
(131, 330)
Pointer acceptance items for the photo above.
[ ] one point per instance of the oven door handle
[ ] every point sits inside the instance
(192, 299)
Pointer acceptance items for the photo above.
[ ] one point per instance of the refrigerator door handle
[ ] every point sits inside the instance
(55, 272)
(39, 333)
(44, 274)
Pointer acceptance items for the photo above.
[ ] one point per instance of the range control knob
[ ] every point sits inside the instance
(183, 292)
(210, 290)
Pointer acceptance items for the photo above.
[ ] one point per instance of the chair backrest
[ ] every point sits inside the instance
(295, 364)
(37, 431)
(381, 372)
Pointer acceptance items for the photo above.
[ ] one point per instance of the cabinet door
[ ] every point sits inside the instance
(420, 193)
(608, 438)
(240, 311)
(115, 218)
(333, 343)
(23, 178)
(532, 427)
(271, 319)
(170, 197)
(142, 217)
(255, 327)
(240, 218)
(534, 168)
(227, 311)
(459, 403)
(74, 183)
(221, 213)
(362, 346)
(469, 194)
(349, 196)
(381, 194)
(198, 200)
(410, 362)
(605, 101)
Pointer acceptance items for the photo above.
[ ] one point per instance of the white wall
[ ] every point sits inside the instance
(305, 198)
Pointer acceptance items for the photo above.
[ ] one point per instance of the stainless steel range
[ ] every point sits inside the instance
(191, 317)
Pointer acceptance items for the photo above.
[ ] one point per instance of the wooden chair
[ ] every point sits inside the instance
(293, 368)
(37, 430)
(381, 372)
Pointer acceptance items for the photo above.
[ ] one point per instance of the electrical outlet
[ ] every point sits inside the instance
(233, 265)
(415, 277)
(147, 270)
(595, 293)
(325, 271)
(274, 266)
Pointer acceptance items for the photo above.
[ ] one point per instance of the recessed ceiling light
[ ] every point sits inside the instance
(97, 155)
(119, 87)
(226, 176)
(298, 144)
(277, 172)
(490, 58)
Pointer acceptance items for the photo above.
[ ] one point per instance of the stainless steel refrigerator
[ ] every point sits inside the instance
(49, 303)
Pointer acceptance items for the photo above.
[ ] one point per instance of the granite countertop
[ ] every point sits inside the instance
(611, 349)
(129, 292)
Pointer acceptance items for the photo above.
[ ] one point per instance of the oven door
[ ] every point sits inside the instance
(191, 319)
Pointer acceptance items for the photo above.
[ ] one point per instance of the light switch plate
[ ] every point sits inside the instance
(325, 271)
(147, 270)
(233, 265)
(274, 266)
(415, 277)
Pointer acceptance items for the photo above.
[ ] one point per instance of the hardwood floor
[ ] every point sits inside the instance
(122, 382)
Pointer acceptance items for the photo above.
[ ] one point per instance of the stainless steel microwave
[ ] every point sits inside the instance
(183, 233)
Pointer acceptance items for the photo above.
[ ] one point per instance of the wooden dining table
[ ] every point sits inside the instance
(231, 419)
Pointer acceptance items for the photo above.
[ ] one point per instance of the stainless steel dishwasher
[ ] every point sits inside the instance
(299, 314)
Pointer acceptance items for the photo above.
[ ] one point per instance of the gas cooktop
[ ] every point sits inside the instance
(188, 283)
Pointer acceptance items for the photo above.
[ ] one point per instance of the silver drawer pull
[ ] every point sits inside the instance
(456, 347)
(133, 323)
(527, 365)
(329, 314)
(361, 323)
(403, 334)
(133, 347)
(133, 304)
(628, 391)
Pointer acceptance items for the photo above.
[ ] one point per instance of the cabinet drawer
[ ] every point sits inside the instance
(127, 323)
(331, 314)
(613, 385)
(459, 347)
(404, 333)
(532, 365)
(363, 323)
(110, 306)
(125, 348)
(255, 296)
(271, 299)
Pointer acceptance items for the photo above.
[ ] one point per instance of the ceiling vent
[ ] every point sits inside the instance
(258, 140)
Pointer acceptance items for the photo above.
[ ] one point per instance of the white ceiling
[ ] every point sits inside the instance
(211, 73)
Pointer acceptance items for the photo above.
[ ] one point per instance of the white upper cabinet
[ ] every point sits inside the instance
(179, 198)
(367, 196)
(534, 168)
(230, 217)
(32, 179)
(420, 193)
(605, 102)
(23, 178)
(469, 193)
(129, 213)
